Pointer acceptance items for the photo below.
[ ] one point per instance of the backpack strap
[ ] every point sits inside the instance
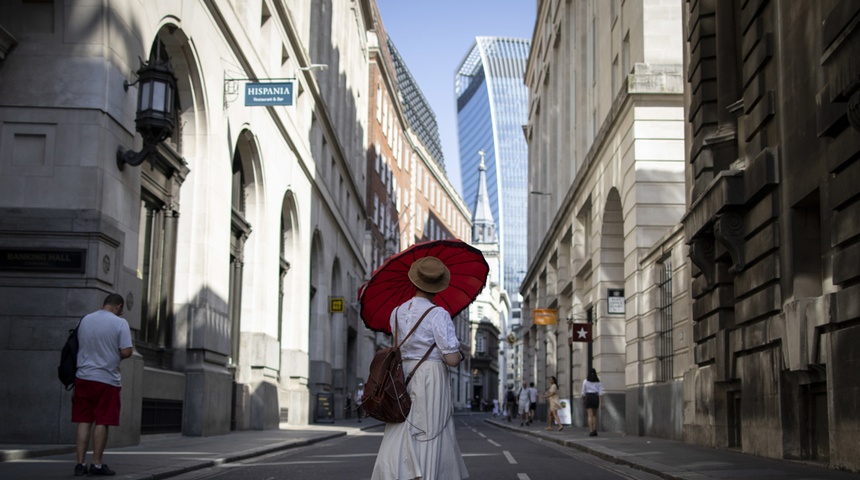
(413, 328)
(395, 324)
(409, 377)
(427, 354)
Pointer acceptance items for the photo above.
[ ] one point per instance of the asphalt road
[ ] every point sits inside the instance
(489, 453)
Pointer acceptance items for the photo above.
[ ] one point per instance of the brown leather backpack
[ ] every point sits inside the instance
(385, 397)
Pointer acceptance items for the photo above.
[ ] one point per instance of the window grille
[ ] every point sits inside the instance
(666, 351)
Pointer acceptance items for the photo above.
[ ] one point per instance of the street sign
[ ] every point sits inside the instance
(268, 94)
(545, 316)
(335, 305)
(615, 300)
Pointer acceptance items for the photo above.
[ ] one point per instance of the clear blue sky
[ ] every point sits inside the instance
(434, 36)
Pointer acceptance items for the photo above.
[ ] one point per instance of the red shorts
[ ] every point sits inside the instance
(95, 402)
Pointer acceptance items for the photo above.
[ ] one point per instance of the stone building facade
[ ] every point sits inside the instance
(606, 182)
(228, 242)
(759, 277)
(773, 156)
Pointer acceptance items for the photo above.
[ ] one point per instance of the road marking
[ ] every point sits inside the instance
(346, 455)
(522, 476)
(482, 435)
(276, 464)
(493, 443)
(510, 457)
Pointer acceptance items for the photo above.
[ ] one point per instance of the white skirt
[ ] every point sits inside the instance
(425, 445)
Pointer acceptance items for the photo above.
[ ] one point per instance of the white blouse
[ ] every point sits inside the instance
(437, 327)
(592, 387)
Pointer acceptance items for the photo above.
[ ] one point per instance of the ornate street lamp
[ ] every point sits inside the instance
(155, 110)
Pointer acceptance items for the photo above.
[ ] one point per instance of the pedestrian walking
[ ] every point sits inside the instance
(104, 340)
(592, 390)
(552, 396)
(347, 411)
(425, 445)
(523, 403)
(533, 396)
(359, 392)
(510, 403)
(495, 407)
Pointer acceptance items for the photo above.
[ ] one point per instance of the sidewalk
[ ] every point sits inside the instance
(674, 460)
(165, 456)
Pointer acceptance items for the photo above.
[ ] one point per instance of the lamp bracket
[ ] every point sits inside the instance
(130, 157)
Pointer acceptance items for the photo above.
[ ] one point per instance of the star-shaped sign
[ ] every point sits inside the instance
(580, 332)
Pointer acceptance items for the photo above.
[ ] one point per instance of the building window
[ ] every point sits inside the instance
(157, 247)
(240, 229)
(667, 351)
(157, 240)
(481, 342)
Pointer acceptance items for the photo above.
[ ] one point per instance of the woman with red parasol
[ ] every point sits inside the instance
(425, 445)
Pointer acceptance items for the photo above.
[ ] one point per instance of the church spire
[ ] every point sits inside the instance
(483, 226)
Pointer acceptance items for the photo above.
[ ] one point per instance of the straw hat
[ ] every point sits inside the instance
(429, 274)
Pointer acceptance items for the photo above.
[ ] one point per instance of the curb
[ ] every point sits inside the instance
(254, 452)
(168, 472)
(23, 454)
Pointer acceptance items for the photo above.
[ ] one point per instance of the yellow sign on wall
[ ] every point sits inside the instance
(545, 316)
(335, 305)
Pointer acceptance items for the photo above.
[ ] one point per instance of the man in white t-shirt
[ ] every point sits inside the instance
(533, 396)
(104, 340)
(523, 403)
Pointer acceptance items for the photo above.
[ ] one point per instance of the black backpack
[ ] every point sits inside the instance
(511, 397)
(69, 359)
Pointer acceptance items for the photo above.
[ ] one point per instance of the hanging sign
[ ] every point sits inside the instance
(580, 332)
(615, 300)
(545, 316)
(268, 94)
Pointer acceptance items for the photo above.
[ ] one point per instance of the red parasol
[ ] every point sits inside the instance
(389, 286)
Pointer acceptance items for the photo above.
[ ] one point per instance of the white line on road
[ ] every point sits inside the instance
(510, 457)
(522, 476)
(482, 435)
(346, 455)
(493, 443)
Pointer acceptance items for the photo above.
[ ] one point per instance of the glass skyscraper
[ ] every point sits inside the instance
(492, 107)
